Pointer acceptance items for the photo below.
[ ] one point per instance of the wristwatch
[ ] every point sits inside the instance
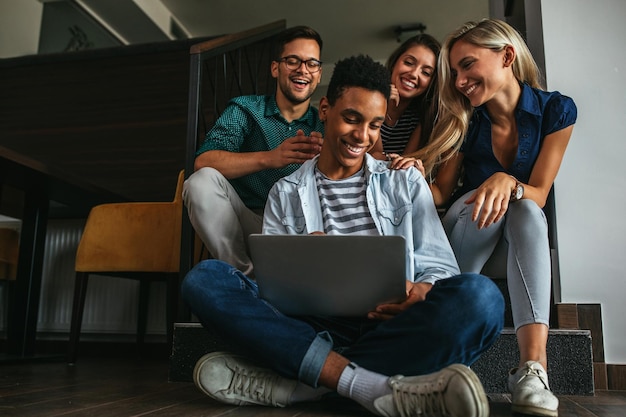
(518, 192)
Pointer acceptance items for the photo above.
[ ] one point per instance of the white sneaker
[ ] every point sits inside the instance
(530, 392)
(454, 391)
(231, 379)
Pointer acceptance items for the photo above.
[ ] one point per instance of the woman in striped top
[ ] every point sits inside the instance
(410, 110)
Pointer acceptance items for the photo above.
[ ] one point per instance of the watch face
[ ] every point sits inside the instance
(519, 192)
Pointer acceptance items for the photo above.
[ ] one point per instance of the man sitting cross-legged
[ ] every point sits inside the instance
(447, 320)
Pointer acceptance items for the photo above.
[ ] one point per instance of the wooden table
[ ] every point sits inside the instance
(45, 190)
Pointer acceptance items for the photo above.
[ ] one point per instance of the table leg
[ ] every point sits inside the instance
(24, 303)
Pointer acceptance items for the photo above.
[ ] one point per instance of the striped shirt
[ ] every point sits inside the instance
(396, 137)
(344, 205)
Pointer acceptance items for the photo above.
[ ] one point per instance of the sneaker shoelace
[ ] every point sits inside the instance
(252, 385)
(532, 372)
(410, 401)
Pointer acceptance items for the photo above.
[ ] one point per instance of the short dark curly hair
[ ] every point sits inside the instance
(358, 71)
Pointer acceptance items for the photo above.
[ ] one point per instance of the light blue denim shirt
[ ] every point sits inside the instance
(400, 202)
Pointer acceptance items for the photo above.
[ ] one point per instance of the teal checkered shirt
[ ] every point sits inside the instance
(252, 124)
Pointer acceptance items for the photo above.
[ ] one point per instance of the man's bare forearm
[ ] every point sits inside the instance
(233, 164)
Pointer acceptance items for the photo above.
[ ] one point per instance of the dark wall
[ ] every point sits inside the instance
(115, 117)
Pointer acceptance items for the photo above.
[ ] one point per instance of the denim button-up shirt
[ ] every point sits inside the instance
(538, 114)
(399, 201)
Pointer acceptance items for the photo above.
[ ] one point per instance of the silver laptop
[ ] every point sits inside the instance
(329, 275)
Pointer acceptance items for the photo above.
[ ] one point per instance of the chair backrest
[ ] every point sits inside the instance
(178, 194)
(221, 69)
(141, 237)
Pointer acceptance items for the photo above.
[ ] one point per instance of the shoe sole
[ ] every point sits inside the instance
(482, 403)
(196, 375)
(534, 411)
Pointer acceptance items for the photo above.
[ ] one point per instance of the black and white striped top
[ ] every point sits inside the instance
(344, 205)
(396, 137)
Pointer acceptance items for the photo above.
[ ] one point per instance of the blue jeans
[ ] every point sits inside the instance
(528, 268)
(460, 318)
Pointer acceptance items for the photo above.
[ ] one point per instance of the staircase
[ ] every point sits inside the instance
(571, 352)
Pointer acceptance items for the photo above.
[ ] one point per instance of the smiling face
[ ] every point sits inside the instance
(351, 126)
(480, 73)
(413, 71)
(298, 85)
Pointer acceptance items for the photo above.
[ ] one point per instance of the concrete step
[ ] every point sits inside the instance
(569, 353)
(570, 362)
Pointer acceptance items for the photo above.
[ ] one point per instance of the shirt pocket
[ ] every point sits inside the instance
(294, 224)
(394, 216)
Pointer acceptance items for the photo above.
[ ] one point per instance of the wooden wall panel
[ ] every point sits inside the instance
(116, 117)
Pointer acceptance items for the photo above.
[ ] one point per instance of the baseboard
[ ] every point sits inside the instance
(616, 377)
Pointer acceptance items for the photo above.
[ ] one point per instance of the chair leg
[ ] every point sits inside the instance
(142, 312)
(80, 291)
(171, 308)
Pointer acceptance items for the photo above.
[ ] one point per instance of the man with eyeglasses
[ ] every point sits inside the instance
(256, 141)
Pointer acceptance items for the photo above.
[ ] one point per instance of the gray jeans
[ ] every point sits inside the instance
(220, 218)
(524, 232)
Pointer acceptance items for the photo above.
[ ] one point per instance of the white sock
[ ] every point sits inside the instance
(363, 386)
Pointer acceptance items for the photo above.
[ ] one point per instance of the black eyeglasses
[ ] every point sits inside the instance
(293, 63)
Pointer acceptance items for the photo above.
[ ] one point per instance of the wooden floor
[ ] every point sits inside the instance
(139, 387)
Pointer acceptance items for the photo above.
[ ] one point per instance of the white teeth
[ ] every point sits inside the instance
(354, 149)
(470, 90)
(409, 84)
(300, 81)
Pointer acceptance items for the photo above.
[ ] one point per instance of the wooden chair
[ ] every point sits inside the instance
(130, 240)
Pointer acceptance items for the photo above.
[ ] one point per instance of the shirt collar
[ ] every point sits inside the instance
(372, 166)
(528, 102)
(271, 109)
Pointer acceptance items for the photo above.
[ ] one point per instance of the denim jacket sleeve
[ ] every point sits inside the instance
(405, 206)
(293, 204)
(432, 254)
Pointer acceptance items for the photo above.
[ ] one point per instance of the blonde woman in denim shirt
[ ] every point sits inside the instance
(511, 136)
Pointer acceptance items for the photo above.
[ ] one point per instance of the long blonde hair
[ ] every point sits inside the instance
(454, 109)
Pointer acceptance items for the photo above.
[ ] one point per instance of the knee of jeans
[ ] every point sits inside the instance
(459, 212)
(204, 278)
(526, 221)
(485, 294)
(524, 211)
